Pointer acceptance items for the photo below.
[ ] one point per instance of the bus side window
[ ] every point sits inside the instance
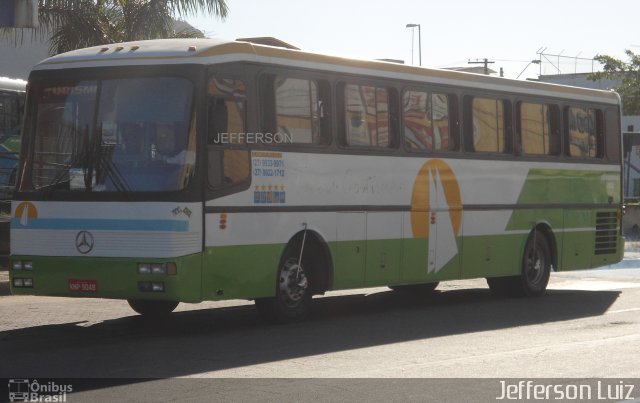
(228, 158)
(426, 121)
(228, 167)
(538, 127)
(295, 110)
(485, 125)
(218, 120)
(612, 134)
(367, 111)
(227, 111)
(584, 126)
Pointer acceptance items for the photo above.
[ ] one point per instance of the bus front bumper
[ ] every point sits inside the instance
(175, 279)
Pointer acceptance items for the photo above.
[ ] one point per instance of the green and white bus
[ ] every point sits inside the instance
(187, 170)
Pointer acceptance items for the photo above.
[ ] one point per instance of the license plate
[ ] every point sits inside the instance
(83, 285)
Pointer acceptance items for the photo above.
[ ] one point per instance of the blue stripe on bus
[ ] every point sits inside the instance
(102, 224)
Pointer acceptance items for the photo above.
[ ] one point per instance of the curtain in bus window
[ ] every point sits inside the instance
(382, 117)
(426, 121)
(535, 126)
(297, 116)
(367, 115)
(236, 166)
(227, 113)
(418, 128)
(582, 132)
(488, 125)
(227, 117)
(440, 119)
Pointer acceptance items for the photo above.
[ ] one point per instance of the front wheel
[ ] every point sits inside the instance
(152, 308)
(534, 277)
(293, 292)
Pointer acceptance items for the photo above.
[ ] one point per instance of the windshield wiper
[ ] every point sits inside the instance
(112, 172)
(84, 158)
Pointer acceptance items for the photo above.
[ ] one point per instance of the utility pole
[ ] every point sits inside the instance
(484, 61)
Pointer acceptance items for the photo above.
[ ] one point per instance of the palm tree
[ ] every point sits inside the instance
(75, 24)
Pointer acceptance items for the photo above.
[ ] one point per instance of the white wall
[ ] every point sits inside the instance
(18, 57)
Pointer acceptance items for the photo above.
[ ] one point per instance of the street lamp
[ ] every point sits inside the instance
(419, 41)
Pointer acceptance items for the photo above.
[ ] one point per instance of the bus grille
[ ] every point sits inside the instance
(606, 233)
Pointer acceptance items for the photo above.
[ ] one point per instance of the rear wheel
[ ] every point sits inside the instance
(152, 308)
(536, 269)
(536, 266)
(293, 290)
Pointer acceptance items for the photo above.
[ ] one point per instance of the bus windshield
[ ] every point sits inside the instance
(112, 135)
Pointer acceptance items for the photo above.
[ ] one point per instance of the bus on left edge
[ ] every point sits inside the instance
(12, 101)
(12, 97)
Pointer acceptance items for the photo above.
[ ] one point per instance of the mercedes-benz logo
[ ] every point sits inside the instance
(84, 242)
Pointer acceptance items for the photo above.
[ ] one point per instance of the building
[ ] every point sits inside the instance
(20, 55)
(578, 80)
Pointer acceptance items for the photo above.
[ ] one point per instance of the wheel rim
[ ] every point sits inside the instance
(535, 265)
(293, 283)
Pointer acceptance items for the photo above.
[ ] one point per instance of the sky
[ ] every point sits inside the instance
(509, 32)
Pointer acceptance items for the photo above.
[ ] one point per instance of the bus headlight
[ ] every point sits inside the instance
(170, 268)
(17, 265)
(157, 286)
(150, 286)
(23, 282)
(158, 268)
(144, 268)
(27, 266)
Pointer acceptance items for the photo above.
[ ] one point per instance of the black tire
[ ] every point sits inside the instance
(152, 309)
(534, 276)
(536, 266)
(416, 289)
(292, 300)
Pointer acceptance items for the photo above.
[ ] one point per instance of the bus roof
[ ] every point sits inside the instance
(217, 50)
(12, 84)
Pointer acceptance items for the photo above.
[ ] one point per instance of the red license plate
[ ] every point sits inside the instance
(83, 285)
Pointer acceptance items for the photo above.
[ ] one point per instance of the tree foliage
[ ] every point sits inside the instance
(74, 24)
(628, 73)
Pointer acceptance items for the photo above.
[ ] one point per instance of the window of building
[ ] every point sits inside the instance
(426, 121)
(366, 116)
(488, 125)
(584, 129)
